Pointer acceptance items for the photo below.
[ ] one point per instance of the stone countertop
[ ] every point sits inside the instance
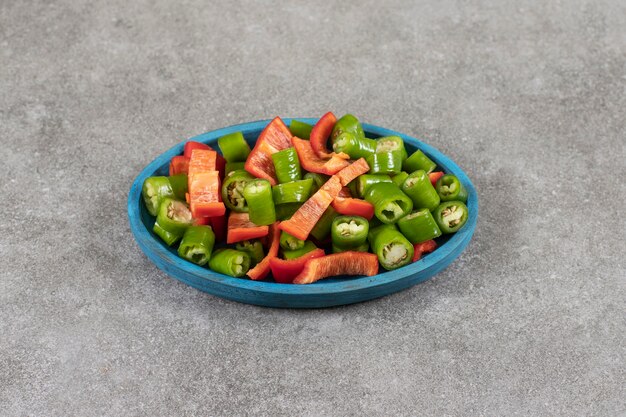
(529, 99)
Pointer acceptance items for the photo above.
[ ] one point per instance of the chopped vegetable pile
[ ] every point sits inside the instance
(296, 209)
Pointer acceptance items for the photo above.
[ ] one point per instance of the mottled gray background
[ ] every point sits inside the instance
(528, 98)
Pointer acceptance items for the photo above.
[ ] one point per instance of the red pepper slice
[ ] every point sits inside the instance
(275, 137)
(284, 271)
(313, 163)
(355, 169)
(203, 191)
(179, 165)
(345, 193)
(320, 134)
(344, 263)
(424, 247)
(218, 224)
(434, 177)
(262, 269)
(220, 162)
(303, 220)
(241, 228)
(353, 207)
(202, 160)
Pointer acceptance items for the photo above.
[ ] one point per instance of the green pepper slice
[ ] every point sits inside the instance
(451, 216)
(154, 190)
(356, 148)
(289, 242)
(391, 144)
(285, 211)
(419, 226)
(292, 192)
(391, 247)
(172, 220)
(234, 166)
(398, 179)
(362, 248)
(258, 195)
(350, 124)
(349, 231)
(232, 190)
(318, 180)
(363, 182)
(420, 189)
(234, 147)
(419, 160)
(197, 244)
(293, 254)
(300, 129)
(450, 188)
(321, 230)
(389, 163)
(254, 248)
(287, 165)
(232, 262)
(390, 203)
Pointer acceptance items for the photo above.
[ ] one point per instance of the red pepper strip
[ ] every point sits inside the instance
(344, 263)
(220, 161)
(202, 160)
(353, 207)
(284, 271)
(202, 221)
(241, 228)
(345, 193)
(275, 137)
(355, 169)
(320, 134)
(312, 163)
(434, 177)
(262, 269)
(424, 247)
(218, 224)
(203, 191)
(303, 220)
(179, 165)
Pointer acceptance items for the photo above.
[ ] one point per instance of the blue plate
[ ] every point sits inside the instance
(324, 293)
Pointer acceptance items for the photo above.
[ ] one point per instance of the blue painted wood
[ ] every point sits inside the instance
(325, 293)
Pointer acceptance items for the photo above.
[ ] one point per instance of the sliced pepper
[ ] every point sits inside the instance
(202, 160)
(398, 179)
(421, 248)
(154, 190)
(287, 165)
(321, 230)
(349, 231)
(179, 165)
(275, 137)
(451, 216)
(232, 262)
(241, 228)
(293, 254)
(450, 188)
(285, 211)
(344, 193)
(258, 195)
(180, 185)
(254, 248)
(234, 147)
(318, 180)
(173, 218)
(300, 129)
(363, 182)
(353, 207)
(434, 177)
(419, 226)
(391, 144)
(232, 190)
(204, 195)
(345, 263)
(347, 124)
(389, 163)
(220, 162)
(197, 244)
(288, 242)
(234, 166)
(358, 167)
(218, 224)
(418, 187)
(320, 134)
(354, 147)
(419, 160)
(391, 247)
(262, 269)
(390, 203)
(312, 163)
(284, 271)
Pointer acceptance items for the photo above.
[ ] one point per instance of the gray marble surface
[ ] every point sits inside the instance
(527, 97)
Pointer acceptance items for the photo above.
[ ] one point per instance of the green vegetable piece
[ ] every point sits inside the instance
(285, 211)
(391, 247)
(318, 180)
(292, 192)
(363, 182)
(450, 188)
(232, 190)
(390, 203)
(389, 163)
(258, 195)
(172, 220)
(347, 124)
(354, 147)
(234, 166)
(289, 242)
(398, 179)
(154, 190)
(287, 165)
(300, 129)
(197, 244)
(349, 231)
(362, 248)
(321, 230)
(232, 262)
(234, 147)
(420, 189)
(293, 254)
(179, 183)
(451, 216)
(419, 226)
(254, 248)
(418, 160)
(391, 144)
